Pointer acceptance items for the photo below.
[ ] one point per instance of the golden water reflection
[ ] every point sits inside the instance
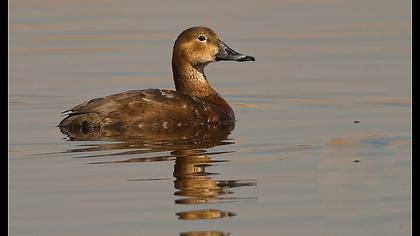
(193, 183)
(196, 186)
(206, 214)
(204, 233)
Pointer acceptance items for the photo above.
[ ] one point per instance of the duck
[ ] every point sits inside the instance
(193, 102)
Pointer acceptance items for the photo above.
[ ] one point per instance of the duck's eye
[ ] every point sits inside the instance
(202, 38)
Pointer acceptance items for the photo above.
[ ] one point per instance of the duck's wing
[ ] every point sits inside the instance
(106, 104)
(138, 108)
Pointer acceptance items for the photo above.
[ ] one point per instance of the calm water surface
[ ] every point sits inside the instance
(321, 146)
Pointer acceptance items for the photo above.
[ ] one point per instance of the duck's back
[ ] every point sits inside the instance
(144, 108)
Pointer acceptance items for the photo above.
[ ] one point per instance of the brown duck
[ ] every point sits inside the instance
(194, 102)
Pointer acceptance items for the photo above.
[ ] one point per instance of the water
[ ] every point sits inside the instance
(321, 146)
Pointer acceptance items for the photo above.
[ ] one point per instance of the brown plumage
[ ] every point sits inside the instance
(194, 102)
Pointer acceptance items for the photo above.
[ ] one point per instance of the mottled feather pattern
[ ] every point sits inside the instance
(139, 108)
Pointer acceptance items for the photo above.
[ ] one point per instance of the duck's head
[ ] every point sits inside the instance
(198, 46)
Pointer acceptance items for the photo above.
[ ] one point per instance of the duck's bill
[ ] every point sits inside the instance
(228, 54)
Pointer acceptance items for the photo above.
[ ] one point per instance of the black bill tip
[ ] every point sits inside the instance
(246, 58)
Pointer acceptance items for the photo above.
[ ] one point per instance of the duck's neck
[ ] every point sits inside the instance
(191, 80)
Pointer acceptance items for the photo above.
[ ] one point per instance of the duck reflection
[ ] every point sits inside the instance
(205, 233)
(196, 186)
(150, 140)
(193, 183)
